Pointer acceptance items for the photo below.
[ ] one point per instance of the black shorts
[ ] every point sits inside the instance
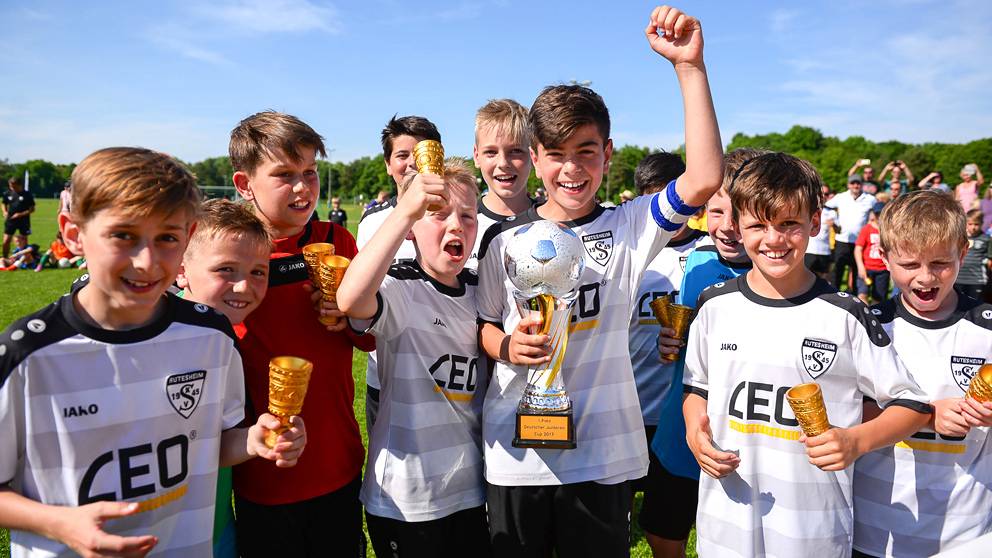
(817, 263)
(572, 520)
(669, 507)
(12, 226)
(323, 526)
(463, 533)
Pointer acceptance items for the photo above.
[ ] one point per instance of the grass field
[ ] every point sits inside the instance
(24, 292)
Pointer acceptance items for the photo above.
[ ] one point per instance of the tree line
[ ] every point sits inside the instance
(364, 177)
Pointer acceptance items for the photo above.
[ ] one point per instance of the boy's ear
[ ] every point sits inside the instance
(814, 228)
(608, 152)
(70, 234)
(534, 160)
(242, 184)
(475, 154)
(181, 279)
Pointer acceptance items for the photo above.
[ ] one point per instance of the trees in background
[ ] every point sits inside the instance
(832, 156)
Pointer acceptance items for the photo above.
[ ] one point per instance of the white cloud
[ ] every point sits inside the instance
(271, 16)
(781, 20)
(180, 40)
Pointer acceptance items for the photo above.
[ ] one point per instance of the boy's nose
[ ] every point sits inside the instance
(240, 286)
(143, 258)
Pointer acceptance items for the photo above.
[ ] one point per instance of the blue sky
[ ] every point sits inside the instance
(178, 75)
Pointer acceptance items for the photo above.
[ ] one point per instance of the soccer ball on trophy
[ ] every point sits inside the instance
(544, 257)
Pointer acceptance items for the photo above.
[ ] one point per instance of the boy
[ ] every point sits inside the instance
(399, 137)
(753, 338)
(974, 277)
(18, 205)
(667, 527)
(577, 501)
(119, 391)
(502, 141)
(852, 209)
(423, 490)
(337, 215)
(274, 156)
(25, 256)
(652, 376)
(867, 256)
(932, 491)
(58, 255)
(226, 267)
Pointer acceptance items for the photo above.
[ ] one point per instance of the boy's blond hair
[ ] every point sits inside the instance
(268, 133)
(507, 117)
(458, 175)
(224, 218)
(137, 181)
(975, 216)
(922, 220)
(772, 183)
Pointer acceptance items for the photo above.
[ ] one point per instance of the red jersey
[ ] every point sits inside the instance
(870, 245)
(285, 323)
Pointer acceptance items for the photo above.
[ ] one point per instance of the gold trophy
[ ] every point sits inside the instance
(544, 261)
(980, 388)
(806, 401)
(331, 273)
(673, 316)
(312, 253)
(429, 156)
(288, 380)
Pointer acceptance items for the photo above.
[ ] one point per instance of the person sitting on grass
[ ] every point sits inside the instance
(58, 255)
(24, 256)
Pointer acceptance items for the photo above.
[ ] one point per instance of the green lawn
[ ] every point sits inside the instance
(26, 291)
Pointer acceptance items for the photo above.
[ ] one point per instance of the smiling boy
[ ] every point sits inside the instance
(756, 336)
(274, 156)
(576, 502)
(119, 401)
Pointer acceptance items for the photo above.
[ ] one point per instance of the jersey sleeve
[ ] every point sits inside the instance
(882, 375)
(12, 434)
(862, 240)
(391, 312)
(654, 221)
(234, 392)
(491, 295)
(696, 374)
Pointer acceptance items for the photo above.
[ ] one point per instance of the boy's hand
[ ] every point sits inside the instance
(80, 529)
(976, 413)
(714, 462)
(425, 190)
(667, 343)
(289, 447)
(326, 308)
(834, 450)
(948, 418)
(527, 348)
(676, 36)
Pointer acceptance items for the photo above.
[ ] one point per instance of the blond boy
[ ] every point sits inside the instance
(118, 401)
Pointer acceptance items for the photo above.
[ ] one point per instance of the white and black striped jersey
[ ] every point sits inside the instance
(929, 493)
(744, 352)
(663, 276)
(609, 429)
(425, 448)
(88, 414)
(370, 222)
(486, 218)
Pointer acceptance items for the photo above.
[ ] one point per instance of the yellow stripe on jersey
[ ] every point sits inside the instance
(453, 396)
(162, 499)
(764, 429)
(582, 326)
(647, 321)
(932, 446)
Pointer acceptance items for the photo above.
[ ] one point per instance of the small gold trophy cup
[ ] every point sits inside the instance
(288, 380)
(806, 401)
(312, 253)
(980, 388)
(674, 316)
(544, 261)
(331, 273)
(429, 156)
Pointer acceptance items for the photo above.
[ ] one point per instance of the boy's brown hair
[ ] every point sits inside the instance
(507, 117)
(975, 216)
(733, 161)
(771, 183)
(137, 181)
(560, 110)
(413, 126)
(220, 218)
(922, 220)
(268, 133)
(457, 173)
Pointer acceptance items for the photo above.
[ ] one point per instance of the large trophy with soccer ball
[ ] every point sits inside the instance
(544, 261)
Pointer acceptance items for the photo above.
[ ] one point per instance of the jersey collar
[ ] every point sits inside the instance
(118, 337)
(819, 287)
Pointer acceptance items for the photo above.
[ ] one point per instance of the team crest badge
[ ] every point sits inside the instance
(818, 356)
(184, 391)
(599, 246)
(682, 260)
(963, 368)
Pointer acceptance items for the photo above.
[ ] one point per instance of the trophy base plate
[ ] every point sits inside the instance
(545, 429)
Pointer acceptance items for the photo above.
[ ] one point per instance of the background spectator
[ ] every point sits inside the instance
(985, 204)
(871, 269)
(902, 177)
(974, 275)
(18, 205)
(65, 197)
(867, 174)
(852, 209)
(337, 215)
(934, 180)
(967, 191)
